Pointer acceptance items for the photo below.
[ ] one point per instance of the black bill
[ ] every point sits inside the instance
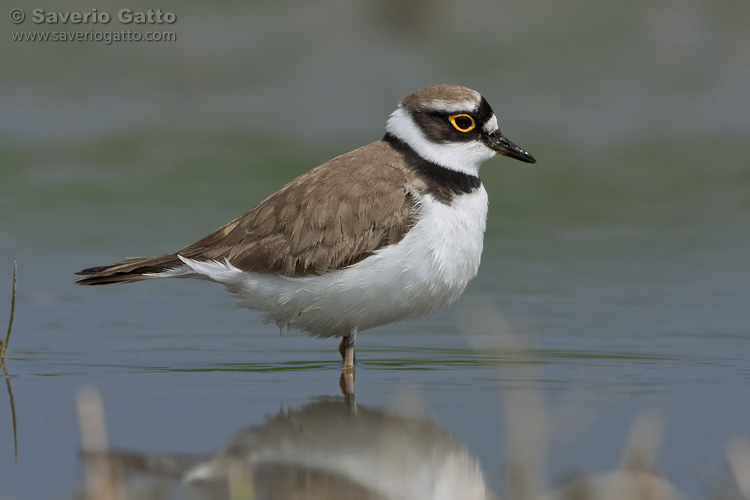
(505, 147)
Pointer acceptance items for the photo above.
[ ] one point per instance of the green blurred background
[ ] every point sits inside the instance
(636, 111)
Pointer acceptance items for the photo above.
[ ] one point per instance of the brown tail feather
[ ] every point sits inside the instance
(129, 270)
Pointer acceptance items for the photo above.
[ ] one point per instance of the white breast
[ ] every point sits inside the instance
(425, 271)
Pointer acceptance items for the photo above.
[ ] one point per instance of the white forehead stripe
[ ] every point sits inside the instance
(491, 125)
(452, 106)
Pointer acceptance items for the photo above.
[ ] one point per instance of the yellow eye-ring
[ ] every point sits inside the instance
(462, 123)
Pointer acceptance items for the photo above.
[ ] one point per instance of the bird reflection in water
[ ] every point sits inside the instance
(328, 449)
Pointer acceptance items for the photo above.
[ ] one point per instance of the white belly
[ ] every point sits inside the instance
(425, 271)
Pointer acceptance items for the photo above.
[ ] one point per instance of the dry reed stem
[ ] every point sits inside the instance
(738, 454)
(4, 345)
(643, 443)
(525, 413)
(102, 479)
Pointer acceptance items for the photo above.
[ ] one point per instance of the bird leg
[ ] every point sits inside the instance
(346, 383)
(346, 349)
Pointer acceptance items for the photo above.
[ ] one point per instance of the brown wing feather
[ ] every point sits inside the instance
(129, 270)
(329, 218)
(333, 216)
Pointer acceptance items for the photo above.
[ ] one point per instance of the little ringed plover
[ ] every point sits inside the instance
(387, 232)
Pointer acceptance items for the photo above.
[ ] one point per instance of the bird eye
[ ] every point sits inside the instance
(462, 123)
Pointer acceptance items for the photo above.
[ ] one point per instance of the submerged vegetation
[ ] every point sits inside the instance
(3, 352)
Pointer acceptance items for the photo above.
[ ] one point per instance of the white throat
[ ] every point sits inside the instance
(463, 157)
